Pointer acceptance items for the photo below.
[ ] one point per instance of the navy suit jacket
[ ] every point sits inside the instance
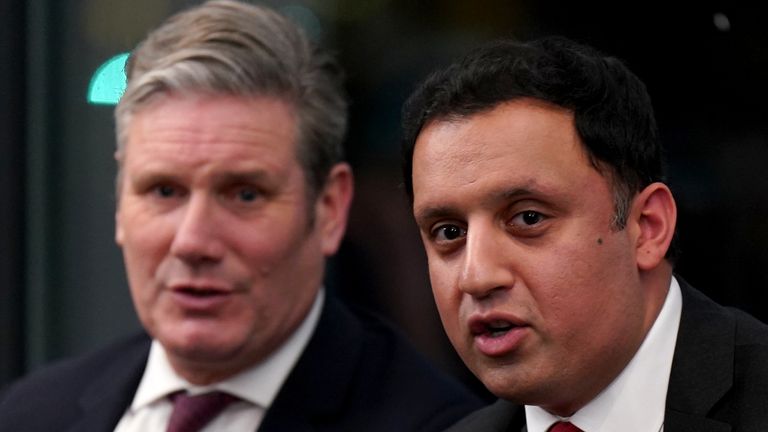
(356, 374)
(718, 382)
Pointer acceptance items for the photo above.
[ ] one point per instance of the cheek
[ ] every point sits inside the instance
(562, 288)
(583, 291)
(143, 231)
(263, 243)
(144, 249)
(438, 278)
(145, 246)
(443, 301)
(447, 296)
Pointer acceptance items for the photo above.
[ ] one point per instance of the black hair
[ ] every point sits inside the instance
(612, 109)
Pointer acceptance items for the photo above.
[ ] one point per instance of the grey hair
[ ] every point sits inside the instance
(230, 47)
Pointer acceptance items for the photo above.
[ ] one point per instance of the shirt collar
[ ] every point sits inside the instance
(635, 400)
(258, 384)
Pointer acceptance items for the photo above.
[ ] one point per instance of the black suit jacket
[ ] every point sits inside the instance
(718, 382)
(356, 374)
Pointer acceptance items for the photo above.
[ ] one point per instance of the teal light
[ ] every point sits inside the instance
(108, 82)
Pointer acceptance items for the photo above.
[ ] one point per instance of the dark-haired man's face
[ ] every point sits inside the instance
(536, 291)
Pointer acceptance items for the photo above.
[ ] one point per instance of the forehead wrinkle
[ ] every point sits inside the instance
(178, 137)
(201, 167)
(241, 151)
(467, 157)
(205, 122)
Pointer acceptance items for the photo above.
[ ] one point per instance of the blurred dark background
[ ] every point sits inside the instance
(62, 284)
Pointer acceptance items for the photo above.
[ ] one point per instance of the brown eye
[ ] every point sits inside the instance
(531, 217)
(449, 232)
(527, 222)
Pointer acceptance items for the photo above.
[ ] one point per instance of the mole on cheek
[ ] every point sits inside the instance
(599, 241)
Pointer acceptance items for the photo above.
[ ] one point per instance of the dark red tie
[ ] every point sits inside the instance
(564, 427)
(191, 413)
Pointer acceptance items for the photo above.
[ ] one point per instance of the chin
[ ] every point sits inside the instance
(502, 382)
(499, 387)
(204, 351)
(206, 343)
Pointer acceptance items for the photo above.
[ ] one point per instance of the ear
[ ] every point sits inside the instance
(332, 207)
(655, 213)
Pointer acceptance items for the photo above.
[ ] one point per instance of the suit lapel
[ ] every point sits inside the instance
(702, 371)
(105, 401)
(682, 422)
(515, 421)
(702, 367)
(501, 416)
(316, 388)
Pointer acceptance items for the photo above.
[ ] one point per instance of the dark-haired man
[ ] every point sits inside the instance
(536, 177)
(232, 192)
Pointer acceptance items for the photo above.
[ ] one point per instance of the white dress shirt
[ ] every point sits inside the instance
(256, 387)
(635, 400)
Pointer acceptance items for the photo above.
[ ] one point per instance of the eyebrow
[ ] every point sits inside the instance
(153, 175)
(430, 213)
(441, 212)
(149, 177)
(256, 176)
(507, 194)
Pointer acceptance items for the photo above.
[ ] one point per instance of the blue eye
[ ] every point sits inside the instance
(165, 191)
(247, 194)
(244, 194)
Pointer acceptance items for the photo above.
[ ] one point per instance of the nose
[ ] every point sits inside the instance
(196, 240)
(486, 265)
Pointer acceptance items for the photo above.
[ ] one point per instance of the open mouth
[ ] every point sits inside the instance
(199, 292)
(497, 336)
(498, 328)
(492, 328)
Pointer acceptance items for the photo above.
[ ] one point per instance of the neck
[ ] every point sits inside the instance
(655, 284)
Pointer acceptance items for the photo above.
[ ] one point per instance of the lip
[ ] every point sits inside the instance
(200, 296)
(503, 343)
